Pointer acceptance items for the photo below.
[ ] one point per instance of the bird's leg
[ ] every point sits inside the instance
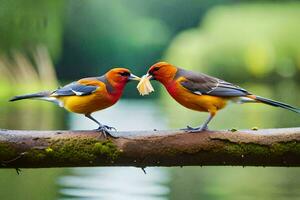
(106, 131)
(203, 127)
(102, 128)
(100, 125)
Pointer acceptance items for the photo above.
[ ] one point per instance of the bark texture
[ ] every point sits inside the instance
(35, 149)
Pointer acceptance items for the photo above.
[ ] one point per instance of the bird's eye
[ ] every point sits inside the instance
(124, 73)
(156, 69)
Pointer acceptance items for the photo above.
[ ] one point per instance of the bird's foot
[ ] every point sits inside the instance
(109, 127)
(190, 129)
(106, 131)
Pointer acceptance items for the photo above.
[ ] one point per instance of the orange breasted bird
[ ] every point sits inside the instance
(200, 92)
(88, 95)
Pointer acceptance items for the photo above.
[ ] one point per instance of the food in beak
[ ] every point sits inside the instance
(144, 86)
(134, 77)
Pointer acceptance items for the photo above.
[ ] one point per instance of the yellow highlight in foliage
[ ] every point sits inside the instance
(49, 150)
(144, 86)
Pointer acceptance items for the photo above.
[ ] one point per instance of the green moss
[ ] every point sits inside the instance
(49, 150)
(243, 148)
(6, 152)
(254, 128)
(76, 150)
(84, 149)
(40, 156)
(36, 154)
(251, 148)
(286, 147)
(107, 148)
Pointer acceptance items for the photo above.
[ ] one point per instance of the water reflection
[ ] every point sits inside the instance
(118, 183)
(235, 183)
(115, 183)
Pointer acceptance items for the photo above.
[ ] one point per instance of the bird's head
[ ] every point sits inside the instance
(162, 72)
(120, 76)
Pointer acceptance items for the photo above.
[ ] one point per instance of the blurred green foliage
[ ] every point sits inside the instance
(243, 42)
(88, 37)
(130, 33)
(25, 24)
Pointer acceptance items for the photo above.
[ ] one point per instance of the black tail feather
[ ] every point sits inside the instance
(31, 96)
(277, 104)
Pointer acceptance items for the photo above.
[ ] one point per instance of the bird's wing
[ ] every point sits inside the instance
(203, 84)
(75, 89)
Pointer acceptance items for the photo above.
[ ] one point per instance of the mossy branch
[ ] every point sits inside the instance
(34, 149)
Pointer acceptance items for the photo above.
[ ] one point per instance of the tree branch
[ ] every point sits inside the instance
(34, 149)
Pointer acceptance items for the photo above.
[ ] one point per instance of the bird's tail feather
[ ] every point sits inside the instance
(39, 95)
(274, 103)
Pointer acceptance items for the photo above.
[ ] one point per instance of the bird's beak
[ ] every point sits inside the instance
(133, 77)
(150, 77)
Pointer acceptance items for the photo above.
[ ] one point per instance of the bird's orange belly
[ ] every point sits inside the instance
(203, 103)
(86, 104)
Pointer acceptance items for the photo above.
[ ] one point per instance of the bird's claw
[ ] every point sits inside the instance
(110, 127)
(106, 131)
(190, 129)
